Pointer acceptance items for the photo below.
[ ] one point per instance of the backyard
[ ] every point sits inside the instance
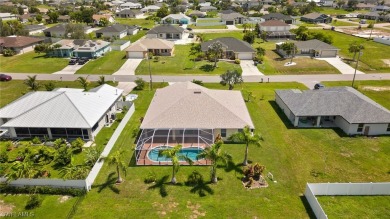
(182, 64)
(32, 62)
(107, 64)
(132, 21)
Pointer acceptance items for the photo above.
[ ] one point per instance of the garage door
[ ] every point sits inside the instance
(245, 56)
(229, 22)
(328, 53)
(135, 55)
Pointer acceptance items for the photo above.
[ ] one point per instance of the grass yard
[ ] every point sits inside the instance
(336, 11)
(379, 91)
(373, 54)
(274, 65)
(180, 64)
(208, 20)
(236, 34)
(292, 155)
(12, 90)
(108, 64)
(135, 37)
(355, 206)
(302, 23)
(132, 21)
(207, 27)
(339, 23)
(32, 62)
(53, 206)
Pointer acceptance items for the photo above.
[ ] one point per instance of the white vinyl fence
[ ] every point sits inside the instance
(346, 189)
(55, 183)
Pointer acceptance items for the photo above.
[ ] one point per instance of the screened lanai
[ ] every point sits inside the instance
(193, 140)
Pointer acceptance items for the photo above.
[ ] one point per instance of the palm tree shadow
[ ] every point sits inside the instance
(161, 185)
(231, 166)
(195, 180)
(110, 182)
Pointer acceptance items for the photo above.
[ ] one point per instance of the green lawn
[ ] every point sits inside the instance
(302, 23)
(290, 154)
(274, 64)
(32, 62)
(135, 37)
(108, 64)
(379, 91)
(207, 27)
(53, 206)
(236, 34)
(336, 11)
(373, 54)
(132, 21)
(180, 64)
(209, 20)
(338, 23)
(355, 206)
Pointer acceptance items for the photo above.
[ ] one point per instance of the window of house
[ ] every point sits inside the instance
(388, 128)
(360, 127)
(161, 35)
(223, 133)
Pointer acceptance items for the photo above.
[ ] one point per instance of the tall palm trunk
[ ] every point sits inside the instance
(173, 180)
(246, 155)
(215, 61)
(214, 178)
(119, 180)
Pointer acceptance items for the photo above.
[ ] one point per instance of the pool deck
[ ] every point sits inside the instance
(144, 159)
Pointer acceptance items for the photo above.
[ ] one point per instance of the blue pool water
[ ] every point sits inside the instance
(189, 152)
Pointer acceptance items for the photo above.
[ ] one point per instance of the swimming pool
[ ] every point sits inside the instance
(189, 152)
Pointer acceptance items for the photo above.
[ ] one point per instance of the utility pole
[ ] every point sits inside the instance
(150, 73)
(357, 63)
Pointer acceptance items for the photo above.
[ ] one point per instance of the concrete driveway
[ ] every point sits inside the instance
(128, 68)
(70, 69)
(232, 27)
(341, 66)
(184, 40)
(248, 68)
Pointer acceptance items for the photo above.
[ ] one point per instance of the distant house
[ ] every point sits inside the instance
(150, 8)
(156, 46)
(63, 18)
(127, 13)
(232, 48)
(364, 6)
(166, 31)
(198, 14)
(176, 19)
(19, 44)
(24, 17)
(276, 29)
(342, 107)
(374, 15)
(313, 48)
(8, 16)
(81, 48)
(232, 18)
(316, 18)
(278, 16)
(130, 5)
(117, 31)
(383, 8)
(34, 28)
(207, 8)
(327, 3)
(58, 31)
(96, 18)
(62, 113)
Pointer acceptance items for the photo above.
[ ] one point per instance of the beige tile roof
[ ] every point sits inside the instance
(150, 43)
(187, 105)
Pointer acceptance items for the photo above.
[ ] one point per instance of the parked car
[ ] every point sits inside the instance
(189, 28)
(191, 35)
(145, 28)
(4, 77)
(82, 61)
(318, 86)
(72, 62)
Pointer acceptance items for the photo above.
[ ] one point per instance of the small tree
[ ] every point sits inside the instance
(263, 36)
(50, 86)
(77, 145)
(104, 22)
(231, 78)
(290, 48)
(84, 82)
(215, 50)
(173, 154)
(102, 80)
(140, 83)
(32, 83)
(248, 138)
(116, 160)
(249, 37)
(354, 48)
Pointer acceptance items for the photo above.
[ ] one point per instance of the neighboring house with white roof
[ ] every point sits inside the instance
(117, 31)
(150, 8)
(8, 16)
(176, 19)
(166, 31)
(342, 107)
(156, 46)
(62, 113)
(191, 115)
(130, 5)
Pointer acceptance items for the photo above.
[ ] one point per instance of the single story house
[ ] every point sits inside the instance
(117, 31)
(19, 44)
(150, 8)
(81, 48)
(8, 16)
(383, 8)
(342, 107)
(127, 13)
(232, 48)
(130, 5)
(58, 31)
(374, 15)
(313, 48)
(176, 19)
(364, 6)
(276, 29)
(34, 28)
(63, 18)
(232, 18)
(166, 31)
(207, 8)
(278, 16)
(159, 47)
(24, 17)
(198, 14)
(62, 113)
(96, 18)
(327, 3)
(316, 18)
(185, 113)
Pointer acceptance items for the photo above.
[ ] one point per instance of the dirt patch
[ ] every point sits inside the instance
(195, 210)
(376, 88)
(386, 61)
(64, 198)
(5, 209)
(162, 210)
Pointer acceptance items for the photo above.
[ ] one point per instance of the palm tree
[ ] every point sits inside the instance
(354, 48)
(83, 81)
(102, 80)
(215, 155)
(23, 169)
(32, 83)
(215, 50)
(74, 171)
(246, 26)
(248, 138)
(290, 48)
(116, 159)
(175, 156)
(200, 37)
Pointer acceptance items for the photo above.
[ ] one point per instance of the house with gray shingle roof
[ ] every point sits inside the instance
(128, 13)
(316, 18)
(313, 48)
(232, 18)
(166, 31)
(232, 48)
(117, 31)
(341, 107)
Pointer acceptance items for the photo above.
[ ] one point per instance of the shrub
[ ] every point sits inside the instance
(3, 157)
(64, 156)
(194, 178)
(36, 140)
(198, 82)
(4, 188)
(156, 58)
(370, 25)
(237, 61)
(151, 178)
(60, 142)
(33, 202)
(77, 145)
(50, 86)
(8, 52)
(140, 84)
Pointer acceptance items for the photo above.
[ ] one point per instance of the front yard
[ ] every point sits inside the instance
(132, 21)
(32, 62)
(108, 64)
(181, 64)
(339, 23)
(207, 27)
